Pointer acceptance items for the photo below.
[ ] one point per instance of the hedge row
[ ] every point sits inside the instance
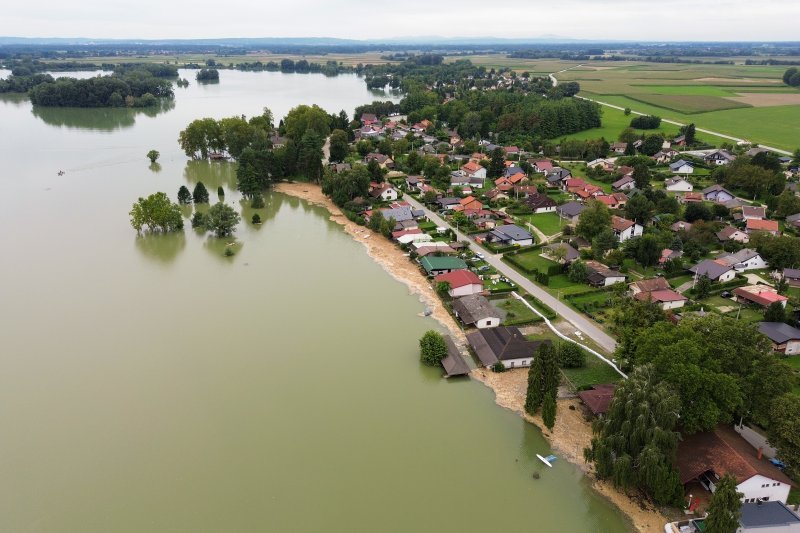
(545, 310)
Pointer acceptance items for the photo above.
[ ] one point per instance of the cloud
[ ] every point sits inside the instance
(698, 20)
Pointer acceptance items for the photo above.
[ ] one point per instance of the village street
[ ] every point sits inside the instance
(586, 326)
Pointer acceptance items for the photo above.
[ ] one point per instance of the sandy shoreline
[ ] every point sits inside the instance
(385, 253)
(571, 434)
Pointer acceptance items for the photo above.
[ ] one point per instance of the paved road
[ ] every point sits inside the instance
(710, 132)
(586, 326)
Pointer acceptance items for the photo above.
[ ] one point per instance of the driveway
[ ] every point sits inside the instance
(585, 325)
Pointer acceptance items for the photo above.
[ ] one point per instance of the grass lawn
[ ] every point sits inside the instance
(594, 373)
(547, 223)
(596, 298)
(516, 312)
(747, 314)
(613, 122)
(680, 280)
(719, 301)
(497, 286)
(533, 260)
(564, 285)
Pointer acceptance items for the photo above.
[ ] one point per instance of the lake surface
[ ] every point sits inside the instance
(151, 384)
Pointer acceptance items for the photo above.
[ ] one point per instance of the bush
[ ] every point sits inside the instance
(198, 220)
(256, 219)
(571, 355)
(647, 122)
(498, 367)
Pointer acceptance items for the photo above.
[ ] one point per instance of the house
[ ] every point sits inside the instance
(717, 193)
(719, 157)
(385, 192)
(729, 233)
(598, 398)
(619, 147)
(648, 285)
(570, 211)
(753, 212)
(706, 457)
(785, 338)
(570, 253)
(625, 183)
(770, 226)
(278, 141)
(512, 170)
(475, 310)
(624, 229)
(681, 226)
(669, 255)
(611, 201)
(448, 203)
(792, 276)
(768, 517)
(497, 194)
(541, 203)
(475, 172)
(435, 265)
(412, 236)
(691, 197)
(681, 167)
(470, 204)
(665, 298)
(606, 164)
(621, 199)
(557, 176)
(761, 295)
(543, 166)
(587, 192)
(425, 250)
(718, 271)
(510, 234)
(602, 276)
(454, 364)
(340, 167)
(413, 183)
(678, 184)
(384, 161)
(462, 282)
(793, 221)
(368, 119)
(744, 259)
(506, 345)
(524, 191)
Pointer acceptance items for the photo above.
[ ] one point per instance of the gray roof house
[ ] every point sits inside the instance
(793, 220)
(712, 269)
(475, 310)
(570, 210)
(510, 234)
(717, 193)
(571, 253)
(446, 203)
(767, 517)
(679, 164)
(779, 332)
(454, 364)
(503, 344)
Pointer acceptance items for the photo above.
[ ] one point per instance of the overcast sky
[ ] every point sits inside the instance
(701, 20)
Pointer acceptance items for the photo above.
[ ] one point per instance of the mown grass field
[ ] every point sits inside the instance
(595, 372)
(688, 103)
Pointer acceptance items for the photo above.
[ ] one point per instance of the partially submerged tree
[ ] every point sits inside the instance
(432, 348)
(157, 213)
(184, 196)
(221, 219)
(153, 155)
(200, 193)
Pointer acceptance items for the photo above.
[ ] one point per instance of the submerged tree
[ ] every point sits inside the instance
(221, 219)
(634, 445)
(153, 155)
(157, 213)
(200, 193)
(725, 508)
(184, 196)
(432, 348)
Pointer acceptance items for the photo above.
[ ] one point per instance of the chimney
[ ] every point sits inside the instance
(760, 452)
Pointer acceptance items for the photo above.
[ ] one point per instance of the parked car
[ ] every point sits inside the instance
(725, 294)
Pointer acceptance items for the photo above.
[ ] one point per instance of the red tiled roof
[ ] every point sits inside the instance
(471, 167)
(761, 297)
(598, 398)
(666, 295)
(608, 200)
(621, 224)
(459, 278)
(723, 451)
(514, 178)
(762, 225)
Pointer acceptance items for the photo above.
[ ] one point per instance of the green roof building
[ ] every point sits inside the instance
(435, 265)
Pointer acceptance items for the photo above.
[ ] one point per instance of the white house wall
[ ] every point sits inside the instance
(755, 488)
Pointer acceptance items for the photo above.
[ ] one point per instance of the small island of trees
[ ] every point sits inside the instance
(208, 75)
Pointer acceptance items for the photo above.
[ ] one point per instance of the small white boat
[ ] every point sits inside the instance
(549, 460)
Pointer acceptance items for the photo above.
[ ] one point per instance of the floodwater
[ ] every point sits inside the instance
(152, 384)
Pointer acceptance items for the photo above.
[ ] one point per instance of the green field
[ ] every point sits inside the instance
(614, 121)
(688, 103)
(547, 223)
(777, 126)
